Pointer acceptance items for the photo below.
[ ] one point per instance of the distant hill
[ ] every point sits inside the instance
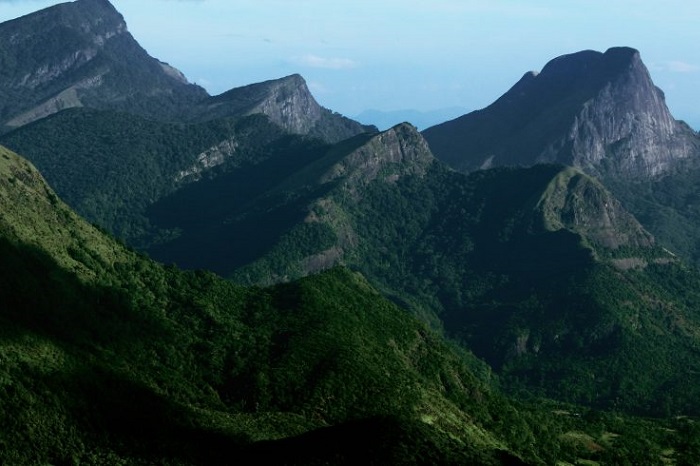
(114, 130)
(289, 103)
(420, 119)
(81, 54)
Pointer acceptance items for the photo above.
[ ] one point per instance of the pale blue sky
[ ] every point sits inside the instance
(397, 54)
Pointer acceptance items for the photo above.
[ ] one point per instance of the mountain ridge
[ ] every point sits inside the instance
(92, 61)
(288, 102)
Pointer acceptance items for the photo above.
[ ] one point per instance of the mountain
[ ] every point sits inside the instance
(97, 339)
(109, 357)
(420, 119)
(540, 271)
(81, 54)
(597, 111)
(94, 79)
(289, 103)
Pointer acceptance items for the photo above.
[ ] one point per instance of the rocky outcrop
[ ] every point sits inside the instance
(597, 111)
(579, 203)
(210, 158)
(389, 155)
(287, 102)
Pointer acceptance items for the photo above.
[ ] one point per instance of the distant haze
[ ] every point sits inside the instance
(420, 119)
(391, 54)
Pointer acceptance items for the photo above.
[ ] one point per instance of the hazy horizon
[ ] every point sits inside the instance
(391, 55)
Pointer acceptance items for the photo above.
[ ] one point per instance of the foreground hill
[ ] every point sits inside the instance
(97, 340)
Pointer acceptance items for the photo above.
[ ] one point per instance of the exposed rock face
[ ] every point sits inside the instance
(287, 102)
(210, 158)
(579, 203)
(81, 54)
(597, 111)
(391, 154)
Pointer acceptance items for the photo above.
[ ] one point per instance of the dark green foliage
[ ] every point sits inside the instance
(668, 206)
(111, 166)
(548, 306)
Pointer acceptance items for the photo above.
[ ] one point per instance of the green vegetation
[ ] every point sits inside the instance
(111, 358)
(110, 167)
(668, 207)
(539, 271)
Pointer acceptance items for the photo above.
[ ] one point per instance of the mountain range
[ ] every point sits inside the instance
(509, 287)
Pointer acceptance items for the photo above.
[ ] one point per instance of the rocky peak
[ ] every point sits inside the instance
(81, 54)
(388, 155)
(598, 111)
(97, 19)
(287, 102)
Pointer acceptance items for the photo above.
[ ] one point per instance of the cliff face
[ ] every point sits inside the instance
(81, 54)
(287, 102)
(389, 155)
(597, 111)
(628, 127)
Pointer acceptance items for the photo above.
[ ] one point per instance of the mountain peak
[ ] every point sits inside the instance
(598, 111)
(387, 156)
(81, 54)
(288, 102)
(86, 15)
(579, 203)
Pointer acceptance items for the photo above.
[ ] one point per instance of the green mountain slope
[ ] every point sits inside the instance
(108, 356)
(110, 167)
(540, 271)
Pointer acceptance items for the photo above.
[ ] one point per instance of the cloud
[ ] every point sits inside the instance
(315, 61)
(682, 67)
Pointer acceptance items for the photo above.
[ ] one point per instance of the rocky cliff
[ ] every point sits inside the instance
(597, 111)
(287, 102)
(81, 54)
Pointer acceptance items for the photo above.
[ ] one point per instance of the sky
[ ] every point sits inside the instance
(407, 54)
